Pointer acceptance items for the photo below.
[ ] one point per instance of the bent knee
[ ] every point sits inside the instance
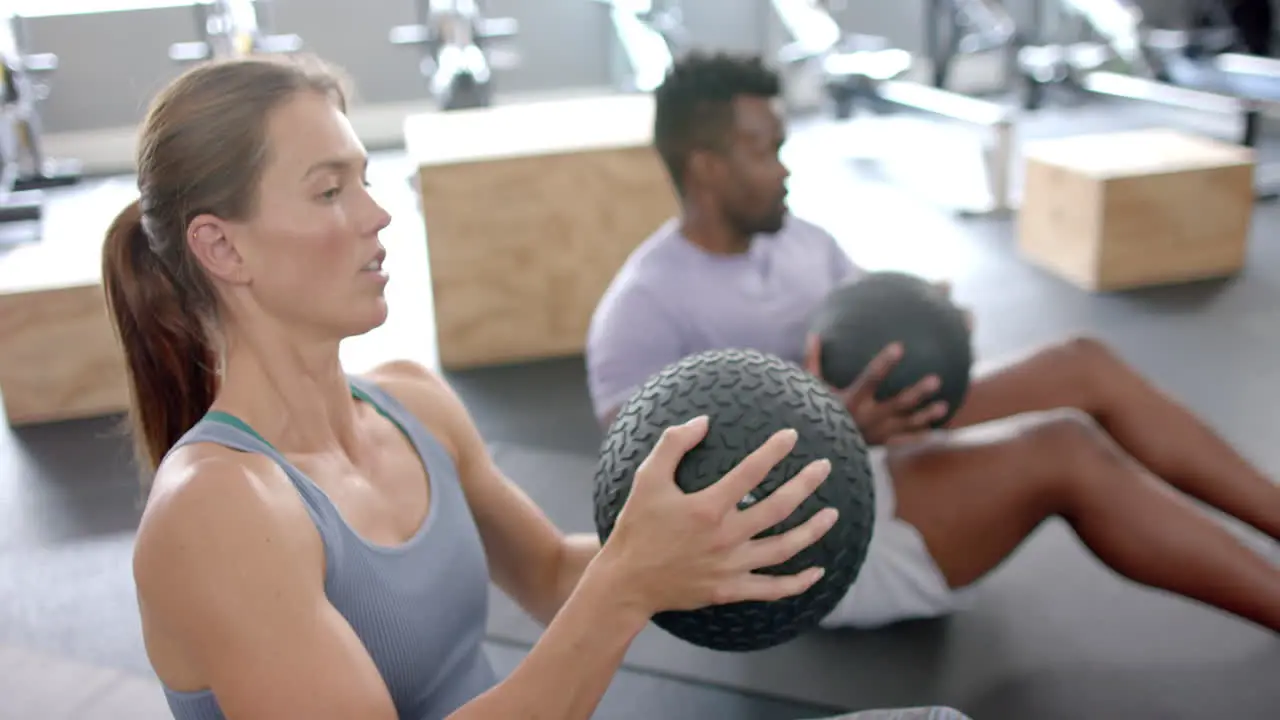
(1060, 439)
(1067, 447)
(1084, 353)
(1084, 345)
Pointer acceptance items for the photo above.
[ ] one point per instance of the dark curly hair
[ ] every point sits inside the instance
(694, 105)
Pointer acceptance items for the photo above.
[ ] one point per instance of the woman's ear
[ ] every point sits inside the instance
(209, 239)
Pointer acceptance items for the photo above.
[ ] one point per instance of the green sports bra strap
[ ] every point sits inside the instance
(233, 421)
(360, 394)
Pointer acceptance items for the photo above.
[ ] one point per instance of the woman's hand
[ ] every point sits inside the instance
(680, 551)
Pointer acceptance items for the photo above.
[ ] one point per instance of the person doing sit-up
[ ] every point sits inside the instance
(318, 545)
(1069, 430)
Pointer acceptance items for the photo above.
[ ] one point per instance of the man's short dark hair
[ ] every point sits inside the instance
(694, 105)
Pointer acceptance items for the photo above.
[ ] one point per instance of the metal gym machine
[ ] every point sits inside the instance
(955, 28)
(1199, 63)
(862, 71)
(649, 34)
(461, 47)
(24, 168)
(232, 28)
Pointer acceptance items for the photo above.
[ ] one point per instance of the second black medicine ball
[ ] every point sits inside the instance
(748, 396)
(859, 319)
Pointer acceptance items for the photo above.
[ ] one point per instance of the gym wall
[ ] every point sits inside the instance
(102, 85)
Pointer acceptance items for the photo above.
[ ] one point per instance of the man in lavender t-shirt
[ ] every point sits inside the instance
(1069, 430)
(673, 298)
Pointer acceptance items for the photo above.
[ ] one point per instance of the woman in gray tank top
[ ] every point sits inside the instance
(318, 545)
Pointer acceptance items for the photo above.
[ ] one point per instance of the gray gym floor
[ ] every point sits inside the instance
(68, 498)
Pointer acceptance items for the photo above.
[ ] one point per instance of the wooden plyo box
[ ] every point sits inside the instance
(530, 210)
(59, 357)
(1123, 210)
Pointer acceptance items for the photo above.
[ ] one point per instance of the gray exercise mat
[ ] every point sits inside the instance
(1051, 634)
(40, 685)
(74, 600)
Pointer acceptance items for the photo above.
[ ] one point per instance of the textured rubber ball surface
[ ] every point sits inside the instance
(859, 319)
(747, 397)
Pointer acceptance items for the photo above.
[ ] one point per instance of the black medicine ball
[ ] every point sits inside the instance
(859, 319)
(747, 397)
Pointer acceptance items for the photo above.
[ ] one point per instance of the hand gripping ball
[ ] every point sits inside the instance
(747, 397)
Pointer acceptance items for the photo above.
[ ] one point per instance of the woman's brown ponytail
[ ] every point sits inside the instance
(171, 365)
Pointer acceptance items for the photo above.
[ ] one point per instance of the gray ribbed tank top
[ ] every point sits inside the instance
(420, 607)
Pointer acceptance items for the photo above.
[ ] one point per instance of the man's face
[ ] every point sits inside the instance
(751, 185)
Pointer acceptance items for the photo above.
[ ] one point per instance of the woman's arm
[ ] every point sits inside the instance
(530, 558)
(567, 672)
(579, 550)
(229, 571)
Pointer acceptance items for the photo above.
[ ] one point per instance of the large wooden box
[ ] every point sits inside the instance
(1122, 210)
(530, 210)
(59, 358)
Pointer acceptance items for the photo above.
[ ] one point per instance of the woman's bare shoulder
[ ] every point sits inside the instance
(230, 578)
(212, 509)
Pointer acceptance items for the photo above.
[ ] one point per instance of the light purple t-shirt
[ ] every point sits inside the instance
(672, 299)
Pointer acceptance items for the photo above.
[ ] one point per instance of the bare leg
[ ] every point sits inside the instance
(1158, 432)
(1008, 480)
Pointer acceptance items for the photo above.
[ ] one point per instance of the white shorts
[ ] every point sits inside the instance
(899, 578)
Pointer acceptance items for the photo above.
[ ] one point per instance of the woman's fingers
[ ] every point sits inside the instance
(777, 549)
(781, 502)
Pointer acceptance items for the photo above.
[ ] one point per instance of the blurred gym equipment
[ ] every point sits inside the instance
(232, 28)
(952, 29)
(648, 35)
(1201, 61)
(865, 71)
(461, 47)
(806, 34)
(24, 169)
(955, 28)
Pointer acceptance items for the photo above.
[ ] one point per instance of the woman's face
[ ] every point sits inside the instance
(309, 257)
